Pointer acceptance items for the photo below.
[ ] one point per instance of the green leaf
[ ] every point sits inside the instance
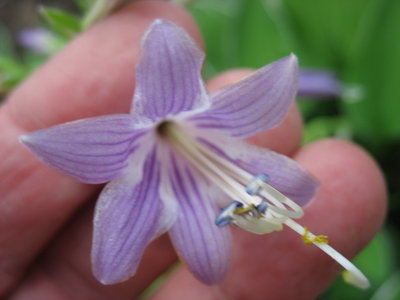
(84, 5)
(325, 29)
(11, 73)
(323, 127)
(260, 37)
(239, 33)
(376, 69)
(62, 22)
(216, 21)
(389, 289)
(6, 47)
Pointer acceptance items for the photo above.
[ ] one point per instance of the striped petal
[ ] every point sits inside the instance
(93, 150)
(126, 220)
(168, 79)
(204, 247)
(256, 103)
(285, 174)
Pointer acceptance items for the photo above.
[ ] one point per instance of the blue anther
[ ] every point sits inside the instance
(222, 221)
(263, 177)
(225, 217)
(254, 186)
(262, 207)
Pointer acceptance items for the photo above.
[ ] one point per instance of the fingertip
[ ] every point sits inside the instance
(284, 138)
(227, 78)
(352, 194)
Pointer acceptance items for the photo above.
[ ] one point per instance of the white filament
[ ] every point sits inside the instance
(233, 181)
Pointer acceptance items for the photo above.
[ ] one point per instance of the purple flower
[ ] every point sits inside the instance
(316, 83)
(38, 40)
(178, 157)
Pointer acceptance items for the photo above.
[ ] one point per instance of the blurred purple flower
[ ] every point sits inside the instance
(178, 157)
(39, 40)
(315, 83)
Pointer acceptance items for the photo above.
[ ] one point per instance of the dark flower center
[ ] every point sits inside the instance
(163, 128)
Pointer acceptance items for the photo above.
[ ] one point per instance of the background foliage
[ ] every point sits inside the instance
(358, 40)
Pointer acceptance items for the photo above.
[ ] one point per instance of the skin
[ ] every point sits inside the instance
(45, 217)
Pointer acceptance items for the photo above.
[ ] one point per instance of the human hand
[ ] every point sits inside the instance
(43, 212)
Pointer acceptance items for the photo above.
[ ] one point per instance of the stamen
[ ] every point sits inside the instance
(258, 225)
(256, 211)
(230, 178)
(280, 200)
(260, 208)
(226, 215)
(244, 210)
(254, 186)
(252, 218)
(309, 238)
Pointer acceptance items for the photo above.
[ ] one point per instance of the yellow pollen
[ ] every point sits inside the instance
(244, 210)
(308, 239)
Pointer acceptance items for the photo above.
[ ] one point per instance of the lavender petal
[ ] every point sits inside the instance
(254, 104)
(204, 247)
(93, 150)
(286, 175)
(168, 79)
(126, 220)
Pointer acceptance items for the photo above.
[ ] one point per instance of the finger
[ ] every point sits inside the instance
(94, 75)
(66, 265)
(64, 270)
(349, 208)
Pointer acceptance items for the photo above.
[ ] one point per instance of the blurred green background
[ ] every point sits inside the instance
(357, 40)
